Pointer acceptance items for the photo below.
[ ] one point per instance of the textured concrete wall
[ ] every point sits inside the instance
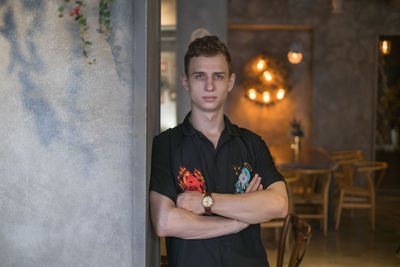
(343, 61)
(68, 138)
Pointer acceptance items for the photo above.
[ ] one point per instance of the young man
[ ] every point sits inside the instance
(212, 183)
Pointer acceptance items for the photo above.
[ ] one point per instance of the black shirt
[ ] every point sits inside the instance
(184, 159)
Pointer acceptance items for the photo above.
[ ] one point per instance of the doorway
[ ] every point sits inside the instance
(387, 128)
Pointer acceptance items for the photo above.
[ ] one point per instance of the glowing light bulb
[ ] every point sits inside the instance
(267, 76)
(295, 58)
(385, 47)
(266, 97)
(280, 94)
(261, 64)
(252, 94)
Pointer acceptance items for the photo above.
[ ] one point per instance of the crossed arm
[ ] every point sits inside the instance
(236, 211)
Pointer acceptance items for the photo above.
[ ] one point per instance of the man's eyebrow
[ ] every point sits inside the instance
(203, 72)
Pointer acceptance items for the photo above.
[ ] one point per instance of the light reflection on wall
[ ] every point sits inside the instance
(168, 13)
(168, 109)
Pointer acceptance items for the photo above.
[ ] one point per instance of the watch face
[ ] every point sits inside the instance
(207, 201)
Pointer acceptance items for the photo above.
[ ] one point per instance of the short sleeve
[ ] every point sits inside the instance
(161, 179)
(264, 164)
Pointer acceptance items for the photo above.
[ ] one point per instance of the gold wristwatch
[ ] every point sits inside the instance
(207, 202)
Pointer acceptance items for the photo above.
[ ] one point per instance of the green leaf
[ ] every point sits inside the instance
(61, 9)
(78, 17)
(88, 43)
(85, 54)
(83, 22)
(79, 2)
(60, 15)
(107, 14)
(107, 22)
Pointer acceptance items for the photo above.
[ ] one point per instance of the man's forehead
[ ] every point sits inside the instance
(215, 63)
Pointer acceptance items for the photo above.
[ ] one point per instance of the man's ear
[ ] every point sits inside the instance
(185, 81)
(231, 83)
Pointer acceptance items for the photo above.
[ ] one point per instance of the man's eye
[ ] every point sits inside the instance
(199, 76)
(219, 77)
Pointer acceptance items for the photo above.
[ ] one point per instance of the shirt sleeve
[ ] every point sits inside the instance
(161, 179)
(264, 164)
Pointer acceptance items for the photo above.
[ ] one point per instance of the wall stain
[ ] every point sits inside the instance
(9, 32)
(33, 5)
(74, 137)
(48, 126)
(117, 50)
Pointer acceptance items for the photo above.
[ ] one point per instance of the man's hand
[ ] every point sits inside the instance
(191, 200)
(255, 184)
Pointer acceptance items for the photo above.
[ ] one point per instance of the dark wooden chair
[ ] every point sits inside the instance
(164, 261)
(301, 231)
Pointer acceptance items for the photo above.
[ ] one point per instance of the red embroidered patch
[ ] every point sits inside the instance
(191, 182)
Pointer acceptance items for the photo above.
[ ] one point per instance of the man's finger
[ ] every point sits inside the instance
(251, 184)
(254, 184)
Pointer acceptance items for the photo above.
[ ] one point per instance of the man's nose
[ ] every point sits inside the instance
(210, 84)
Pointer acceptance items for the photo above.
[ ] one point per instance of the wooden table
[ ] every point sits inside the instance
(314, 158)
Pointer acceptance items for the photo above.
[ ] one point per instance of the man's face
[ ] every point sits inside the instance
(208, 82)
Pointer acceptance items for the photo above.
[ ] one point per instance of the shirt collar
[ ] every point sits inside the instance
(188, 129)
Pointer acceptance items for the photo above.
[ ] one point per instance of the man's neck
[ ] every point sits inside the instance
(211, 124)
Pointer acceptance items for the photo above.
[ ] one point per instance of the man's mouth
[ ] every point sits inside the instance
(209, 98)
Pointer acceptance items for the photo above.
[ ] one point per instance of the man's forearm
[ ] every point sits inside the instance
(184, 224)
(255, 207)
(171, 221)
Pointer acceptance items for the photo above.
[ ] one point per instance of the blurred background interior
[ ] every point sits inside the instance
(312, 75)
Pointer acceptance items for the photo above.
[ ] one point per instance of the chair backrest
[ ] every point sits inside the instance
(302, 235)
(345, 161)
(319, 182)
(368, 167)
(347, 154)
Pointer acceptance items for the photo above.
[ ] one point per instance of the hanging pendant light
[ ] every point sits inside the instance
(295, 54)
